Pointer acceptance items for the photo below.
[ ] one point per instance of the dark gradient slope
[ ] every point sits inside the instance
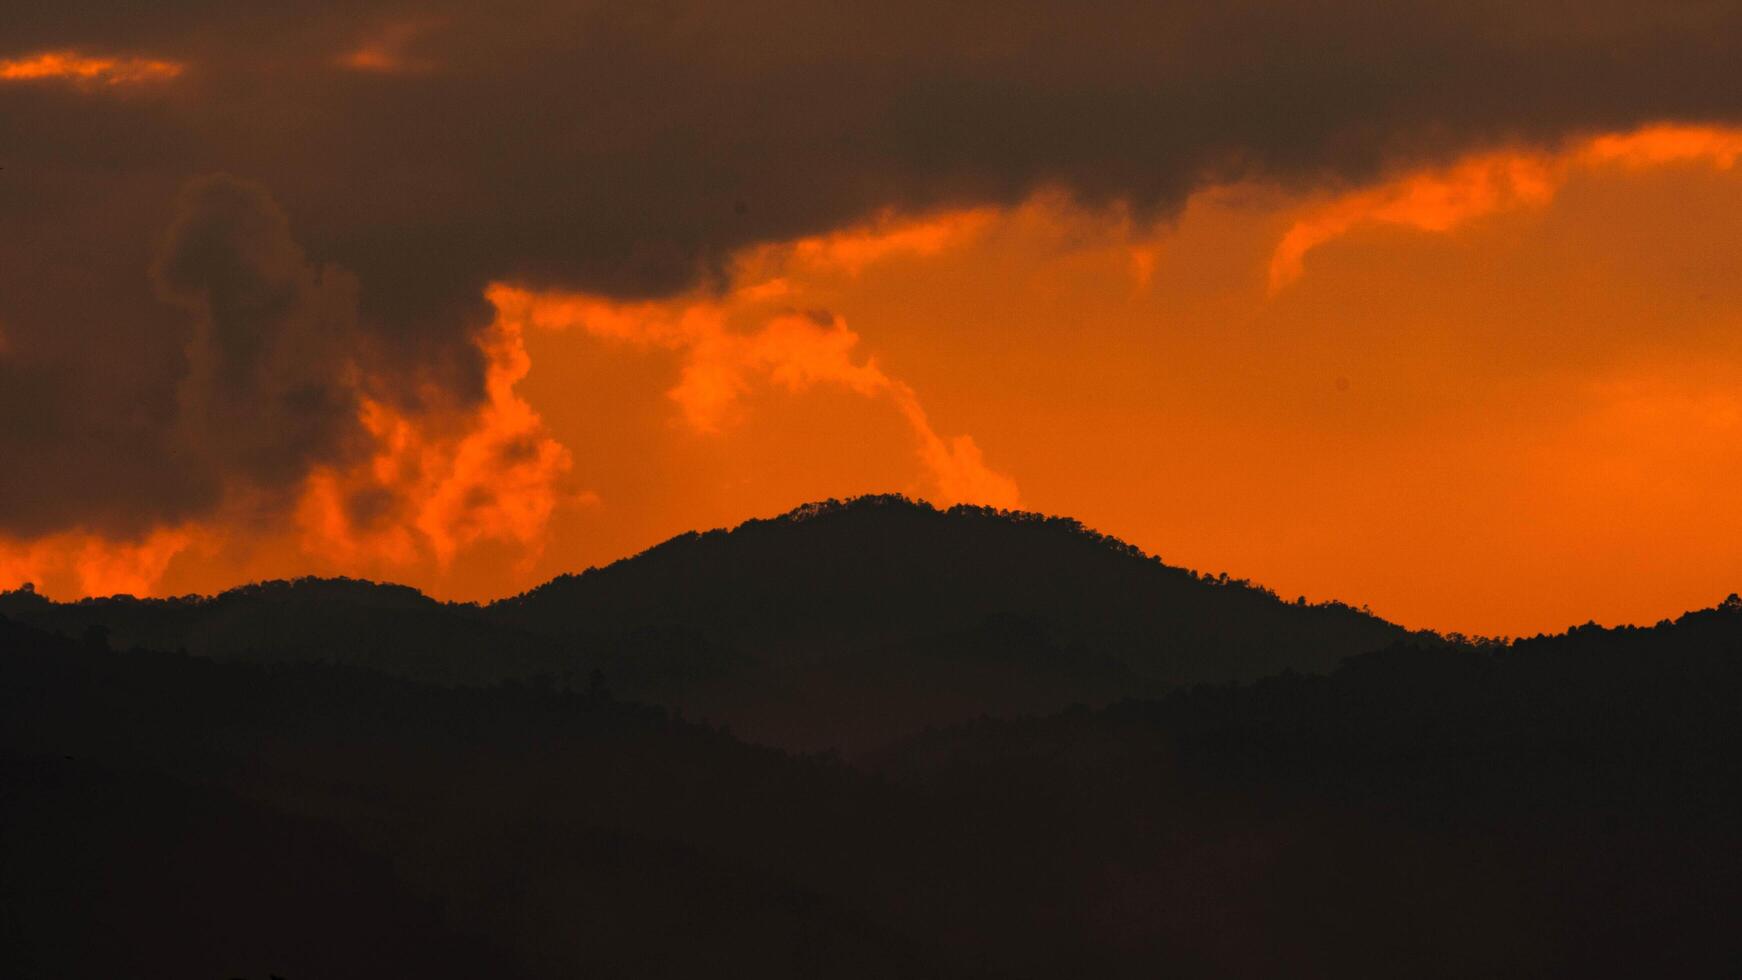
(1563, 807)
(838, 624)
(391, 628)
(833, 579)
(547, 834)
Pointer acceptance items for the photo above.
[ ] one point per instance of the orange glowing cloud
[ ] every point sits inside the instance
(76, 563)
(853, 249)
(1441, 200)
(790, 350)
(386, 51)
(71, 66)
(1435, 201)
(1562, 445)
(435, 486)
(439, 482)
(1659, 145)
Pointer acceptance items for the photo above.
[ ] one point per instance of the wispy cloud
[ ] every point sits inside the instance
(790, 349)
(1445, 198)
(89, 70)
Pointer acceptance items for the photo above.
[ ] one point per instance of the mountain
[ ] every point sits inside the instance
(857, 619)
(163, 815)
(392, 628)
(1556, 807)
(1559, 806)
(837, 624)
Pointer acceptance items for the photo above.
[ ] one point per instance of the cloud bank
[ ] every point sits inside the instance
(180, 345)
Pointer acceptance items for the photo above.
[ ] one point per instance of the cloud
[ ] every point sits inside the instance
(248, 378)
(278, 407)
(388, 49)
(957, 466)
(1656, 146)
(787, 348)
(850, 250)
(434, 486)
(280, 392)
(273, 385)
(630, 152)
(1442, 199)
(76, 68)
(1433, 201)
(78, 564)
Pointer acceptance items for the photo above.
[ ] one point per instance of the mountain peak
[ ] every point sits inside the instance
(838, 621)
(882, 504)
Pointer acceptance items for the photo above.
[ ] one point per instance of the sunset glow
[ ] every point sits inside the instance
(1203, 432)
(870, 489)
(1440, 200)
(433, 297)
(435, 486)
(386, 50)
(75, 67)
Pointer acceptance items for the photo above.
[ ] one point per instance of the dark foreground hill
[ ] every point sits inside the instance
(170, 816)
(391, 628)
(1560, 807)
(835, 624)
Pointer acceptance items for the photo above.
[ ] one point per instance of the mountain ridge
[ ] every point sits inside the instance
(1564, 803)
(837, 622)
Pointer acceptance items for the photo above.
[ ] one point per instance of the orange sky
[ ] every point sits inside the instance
(71, 66)
(1498, 398)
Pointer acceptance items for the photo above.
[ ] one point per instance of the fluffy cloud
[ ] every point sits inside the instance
(280, 405)
(273, 386)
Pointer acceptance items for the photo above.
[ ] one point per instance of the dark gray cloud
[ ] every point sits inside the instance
(272, 384)
(628, 148)
(263, 383)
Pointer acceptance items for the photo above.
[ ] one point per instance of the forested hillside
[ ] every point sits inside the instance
(835, 625)
(1561, 806)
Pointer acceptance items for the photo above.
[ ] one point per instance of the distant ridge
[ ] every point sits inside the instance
(823, 509)
(392, 628)
(1426, 810)
(882, 546)
(838, 622)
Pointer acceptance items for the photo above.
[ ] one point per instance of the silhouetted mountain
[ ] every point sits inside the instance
(834, 580)
(836, 624)
(1562, 806)
(118, 873)
(393, 628)
(571, 834)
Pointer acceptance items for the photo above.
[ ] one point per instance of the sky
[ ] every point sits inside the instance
(1434, 313)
